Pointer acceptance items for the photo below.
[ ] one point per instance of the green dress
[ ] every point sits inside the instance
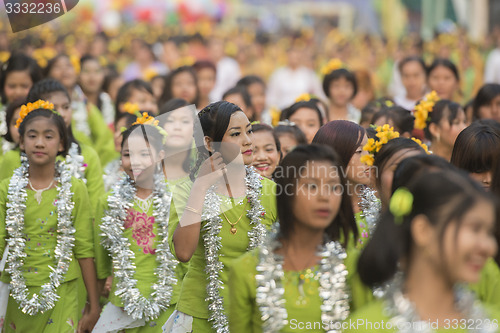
(194, 287)
(101, 137)
(303, 304)
(488, 287)
(373, 318)
(93, 171)
(363, 233)
(140, 228)
(40, 229)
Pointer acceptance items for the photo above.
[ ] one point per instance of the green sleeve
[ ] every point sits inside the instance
(360, 294)
(243, 311)
(180, 195)
(268, 200)
(488, 287)
(84, 234)
(93, 174)
(102, 137)
(3, 213)
(10, 162)
(102, 258)
(367, 319)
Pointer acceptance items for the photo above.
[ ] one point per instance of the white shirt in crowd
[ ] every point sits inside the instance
(285, 85)
(492, 67)
(228, 73)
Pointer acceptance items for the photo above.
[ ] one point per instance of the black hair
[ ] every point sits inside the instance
(495, 189)
(150, 134)
(409, 59)
(476, 148)
(85, 58)
(214, 120)
(9, 114)
(441, 62)
(125, 92)
(442, 196)
(389, 149)
(128, 122)
(343, 224)
(52, 62)
(373, 107)
(401, 118)
(441, 109)
(111, 76)
(293, 130)
(202, 64)
(168, 91)
(288, 112)
(242, 91)
(484, 97)
(266, 128)
(56, 119)
(19, 62)
(46, 87)
(337, 74)
(248, 80)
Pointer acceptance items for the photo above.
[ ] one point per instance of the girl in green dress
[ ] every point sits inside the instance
(347, 139)
(228, 210)
(301, 279)
(46, 230)
(133, 225)
(438, 233)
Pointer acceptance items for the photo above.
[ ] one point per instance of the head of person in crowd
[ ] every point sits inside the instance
(256, 87)
(372, 108)
(486, 104)
(17, 76)
(306, 116)
(413, 73)
(158, 84)
(475, 150)
(63, 70)
(266, 151)
(181, 83)
(12, 114)
(137, 92)
(289, 136)
(397, 117)
(112, 84)
(366, 90)
(444, 78)
(239, 95)
(91, 77)
(340, 86)
(206, 73)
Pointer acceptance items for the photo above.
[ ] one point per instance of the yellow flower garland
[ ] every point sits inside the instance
(423, 108)
(384, 134)
(26, 109)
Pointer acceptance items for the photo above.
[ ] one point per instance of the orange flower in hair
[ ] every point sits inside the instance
(146, 120)
(132, 108)
(26, 109)
(331, 66)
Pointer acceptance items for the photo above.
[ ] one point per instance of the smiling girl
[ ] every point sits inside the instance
(267, 150)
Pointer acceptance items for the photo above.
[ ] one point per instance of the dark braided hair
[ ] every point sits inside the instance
(214, 120)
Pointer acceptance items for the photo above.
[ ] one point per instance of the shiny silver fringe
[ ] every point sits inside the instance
(212, 242)
(333, 288)
(16, 203)
(119, 202)
(75, 162)
(370, 206)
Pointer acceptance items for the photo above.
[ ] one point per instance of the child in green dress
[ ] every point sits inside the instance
(437, 234)
(301, 279)
(133, 226)
(228, 209)
(46, 230)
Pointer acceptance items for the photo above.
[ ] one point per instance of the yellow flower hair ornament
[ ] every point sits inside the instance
(132, 109)
(332, 65)
(401, 204)
(146, 119)
(423, 108)
(423, 145)
(26, 109)
(384, 134)
(305, 97)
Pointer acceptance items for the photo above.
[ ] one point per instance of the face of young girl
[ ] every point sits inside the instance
(265, 154)
(449, 132)
(413, 79)
(17, 85)
(206, 81)
(387, 174)
(357, 172)
(238, 100)
(318, 196)
(484, 178)
(179, 127)
(307, 120)
(491, 111)
(139, 159)
(287, 143)
(184, 86)
(258, 94)
(64, 72)
(62, 105)
(41, 142)
(239, 134)
(144, 100)
(467, 249)
(91, 77)
(443, 81)
(341, 91)
(14, 132)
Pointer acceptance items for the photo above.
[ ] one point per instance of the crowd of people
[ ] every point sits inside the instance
(236, 183)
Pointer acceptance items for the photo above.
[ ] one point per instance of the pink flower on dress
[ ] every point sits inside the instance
(142, 229)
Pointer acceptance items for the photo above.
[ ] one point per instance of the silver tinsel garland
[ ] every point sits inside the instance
(333, 288)
(16, 203)
(370, 206)
(404, 315)
(212, 242)
(119, 202)
(75, 162)
(3, 121)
